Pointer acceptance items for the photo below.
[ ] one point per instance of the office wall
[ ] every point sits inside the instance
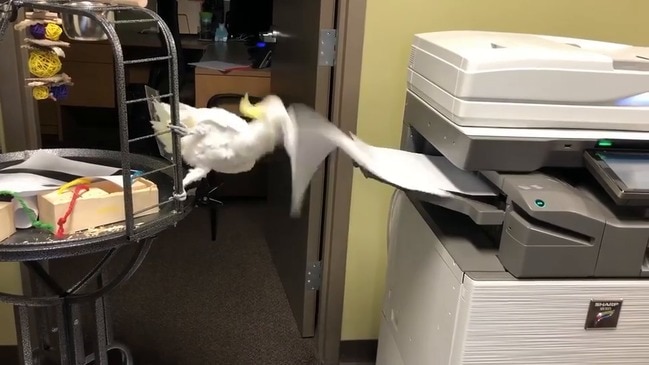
(9, 283)
(388, 33)
(3, 144)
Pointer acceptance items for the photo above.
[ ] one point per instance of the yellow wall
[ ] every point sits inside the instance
(389, 28)
(9, 283)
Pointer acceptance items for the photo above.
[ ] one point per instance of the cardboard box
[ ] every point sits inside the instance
(7, 226)
(102, 204)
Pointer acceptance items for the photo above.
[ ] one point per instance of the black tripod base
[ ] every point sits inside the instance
(61, 342)
(206, 193)
(48, 318)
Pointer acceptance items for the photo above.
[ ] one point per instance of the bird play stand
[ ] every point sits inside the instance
(49, 324)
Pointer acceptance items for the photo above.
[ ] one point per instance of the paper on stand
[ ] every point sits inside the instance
(27, 183)
(117, 180)
(309, 138)
(42, 160)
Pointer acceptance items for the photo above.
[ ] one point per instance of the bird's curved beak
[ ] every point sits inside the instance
(248, 110)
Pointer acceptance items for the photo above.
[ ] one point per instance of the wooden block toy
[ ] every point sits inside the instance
(101, 204)
(7, 226)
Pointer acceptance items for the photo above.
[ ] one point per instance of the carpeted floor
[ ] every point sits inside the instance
(197, 302)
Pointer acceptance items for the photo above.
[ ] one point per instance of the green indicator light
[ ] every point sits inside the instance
(539, 203)
(604, 143)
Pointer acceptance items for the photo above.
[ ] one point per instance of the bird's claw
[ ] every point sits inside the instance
(181, 197)
(180, 129)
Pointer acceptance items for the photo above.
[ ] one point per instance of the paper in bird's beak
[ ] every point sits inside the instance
(309, 138)
(152, 96)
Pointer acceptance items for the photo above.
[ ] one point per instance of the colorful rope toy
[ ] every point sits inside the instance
(78, 191)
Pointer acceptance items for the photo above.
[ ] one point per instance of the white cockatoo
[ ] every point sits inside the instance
(216, 139)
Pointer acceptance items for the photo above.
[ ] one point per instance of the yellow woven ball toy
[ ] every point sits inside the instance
(44, 64)
(41, 92)
(53, 32)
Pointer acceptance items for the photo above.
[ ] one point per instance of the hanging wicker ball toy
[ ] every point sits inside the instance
(37, 31)
(59, 92)
(53, 32)
(44, 64)
(41, 92)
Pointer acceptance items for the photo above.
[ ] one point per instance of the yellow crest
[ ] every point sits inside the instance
(248, 110)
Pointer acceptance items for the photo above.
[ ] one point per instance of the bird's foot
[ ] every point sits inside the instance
(181, 197)
(180, 129)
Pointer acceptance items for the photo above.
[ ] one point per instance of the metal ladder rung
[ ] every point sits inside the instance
(147, 173)
(145, 60)
(132, 21)
(153, 206)
(147, 99)
(152, 135)
(118, 8)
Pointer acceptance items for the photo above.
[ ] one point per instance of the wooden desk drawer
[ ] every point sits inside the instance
(210, 85)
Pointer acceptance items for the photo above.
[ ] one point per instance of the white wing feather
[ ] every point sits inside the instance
(189, 117)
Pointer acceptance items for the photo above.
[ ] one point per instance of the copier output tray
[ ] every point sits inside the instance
(483, 210)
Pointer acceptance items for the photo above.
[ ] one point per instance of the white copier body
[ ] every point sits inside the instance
(553, 268)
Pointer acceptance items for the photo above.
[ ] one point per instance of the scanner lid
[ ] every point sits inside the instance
(475, 51)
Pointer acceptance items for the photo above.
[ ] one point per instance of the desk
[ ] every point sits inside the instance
(133, 39)
(210, 82)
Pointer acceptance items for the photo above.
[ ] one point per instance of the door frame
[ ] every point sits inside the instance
(350, 26)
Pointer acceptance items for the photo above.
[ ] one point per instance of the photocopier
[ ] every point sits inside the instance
(552, 265)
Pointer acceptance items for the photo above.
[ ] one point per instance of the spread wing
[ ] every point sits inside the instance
(210, 127)
(221, 117)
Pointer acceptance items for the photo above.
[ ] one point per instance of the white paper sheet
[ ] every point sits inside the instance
(419, 172)
(118, 180)
(218, 65)
(42, 160)
(309, 138)
(27, 184)
(31, 184)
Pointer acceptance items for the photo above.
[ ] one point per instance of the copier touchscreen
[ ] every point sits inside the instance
(624, 175)
(631, 169)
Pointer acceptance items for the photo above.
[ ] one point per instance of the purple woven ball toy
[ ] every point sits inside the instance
(59, 92)
(37, 31)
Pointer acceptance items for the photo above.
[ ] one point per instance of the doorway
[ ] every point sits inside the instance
(317, 62)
